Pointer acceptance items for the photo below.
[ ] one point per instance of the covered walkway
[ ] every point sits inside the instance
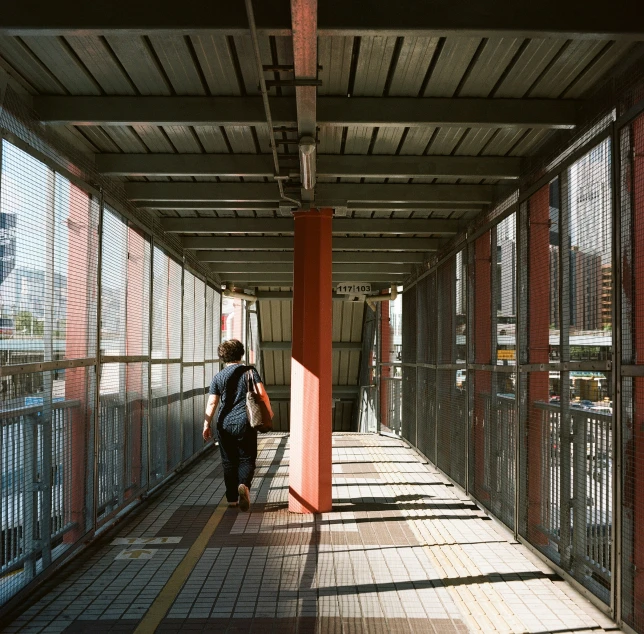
(404, 550)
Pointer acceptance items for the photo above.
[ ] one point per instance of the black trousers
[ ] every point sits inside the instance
(238, 456)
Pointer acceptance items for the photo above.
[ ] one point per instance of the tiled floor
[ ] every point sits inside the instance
(402, 551)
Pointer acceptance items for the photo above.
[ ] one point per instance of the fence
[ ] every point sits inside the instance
(522, 375)
(107, 346)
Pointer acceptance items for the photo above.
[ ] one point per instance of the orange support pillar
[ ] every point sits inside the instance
(482, 355)
(538, 346)
(311, 364)
(385, 357)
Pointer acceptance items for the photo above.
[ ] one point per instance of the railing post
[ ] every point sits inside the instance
(30, 493)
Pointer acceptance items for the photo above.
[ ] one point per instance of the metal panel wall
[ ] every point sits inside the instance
(83, 433)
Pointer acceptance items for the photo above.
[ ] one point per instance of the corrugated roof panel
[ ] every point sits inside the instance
(361, 213)
(100, 62)
(493, 60)
(241, 139)
(330, 139)
(284, 49)
(263, 138)
(175, 57)
(29, 66)
(381, 213)
(503, 141)
(211, 138)
(415, 56)
(387, 140)
(182, 138)
(153, 137)
(247, 63)
(56, 56)
(416, 140)
(358, 139)
(530, 142)
(125, 138)
(99, 138)
(446, 140)
(566, 68)
(474, 141)
(373, 65)
(534, 59)
(598, 69)
(73, 135)
(454, 59)
(216, 63)
(334, 55)
(135, 56)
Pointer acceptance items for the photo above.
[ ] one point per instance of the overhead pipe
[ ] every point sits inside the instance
(230, 292)
(267, 109)
(372, 300)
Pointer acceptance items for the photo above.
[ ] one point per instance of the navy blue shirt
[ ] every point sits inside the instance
(230, 386)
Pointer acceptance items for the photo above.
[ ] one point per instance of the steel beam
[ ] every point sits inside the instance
(336, 194)
(285, 225)
(266, 257)
(331, 111)
(286, 345)
(220, 205)
(327, 166)
(246, 244)
(510, 18)
(231, 268)
(286, 279)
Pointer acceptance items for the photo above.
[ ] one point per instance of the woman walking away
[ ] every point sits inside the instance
(237, 439)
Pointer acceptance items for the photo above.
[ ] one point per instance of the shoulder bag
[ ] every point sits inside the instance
(258, 415)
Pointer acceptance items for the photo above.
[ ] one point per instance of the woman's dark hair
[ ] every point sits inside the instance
(231, 351)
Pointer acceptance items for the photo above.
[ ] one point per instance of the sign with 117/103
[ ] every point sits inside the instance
(353, 289)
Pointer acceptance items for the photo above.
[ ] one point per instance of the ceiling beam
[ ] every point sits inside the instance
(285, 225)
(286, 279)
(327, 166)
(218, 205)
(231, 268)
(304, 20)
(286, 345)
(506, 18)
(331, 111)
(326, 194)
(265, 257)
(247, 244)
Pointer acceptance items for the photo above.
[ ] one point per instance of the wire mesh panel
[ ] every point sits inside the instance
(631, 170)
(409, 389)
(409, 334)
(425, 411)
(187, 411)
(188, 317)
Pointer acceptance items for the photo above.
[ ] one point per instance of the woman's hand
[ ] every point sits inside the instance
(207, 432)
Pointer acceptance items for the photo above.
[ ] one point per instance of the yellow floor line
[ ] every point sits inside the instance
(168, 594)
(170, 591)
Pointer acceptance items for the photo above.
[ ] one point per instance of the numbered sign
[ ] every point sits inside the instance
(353, 288)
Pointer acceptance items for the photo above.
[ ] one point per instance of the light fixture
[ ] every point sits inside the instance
(307, 161)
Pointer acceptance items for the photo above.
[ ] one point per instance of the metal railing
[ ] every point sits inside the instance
(391, 403)
(36, 491)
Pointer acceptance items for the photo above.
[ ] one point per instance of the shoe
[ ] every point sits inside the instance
(244, 497)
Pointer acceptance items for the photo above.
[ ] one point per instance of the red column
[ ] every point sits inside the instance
(136, 342)
(538, 344)
(385, 357)
(81, 289)
(482, 355)
(311, 379)
(634, 495)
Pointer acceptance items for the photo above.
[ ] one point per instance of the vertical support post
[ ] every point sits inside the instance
(80, 295)
(538, 346)
(482, 325)
(616, 319)
(158, 459)
(311, 382)
(385, 358)
(635, 476)
(565, 422)
(44, 430)
(521, 229)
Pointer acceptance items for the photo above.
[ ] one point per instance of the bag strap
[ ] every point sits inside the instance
(250, 380)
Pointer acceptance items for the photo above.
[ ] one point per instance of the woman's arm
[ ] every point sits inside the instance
(264, 396)
(211, 407)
